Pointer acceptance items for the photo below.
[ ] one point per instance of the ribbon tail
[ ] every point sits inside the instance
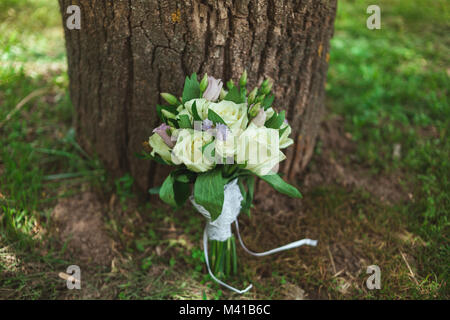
(205, 248)
(288, 246)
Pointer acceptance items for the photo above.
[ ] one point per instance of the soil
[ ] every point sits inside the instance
(79, 221)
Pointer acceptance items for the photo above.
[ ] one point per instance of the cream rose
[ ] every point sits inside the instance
(259, 148)
(160, 147)
(234, 115)
(188, 150)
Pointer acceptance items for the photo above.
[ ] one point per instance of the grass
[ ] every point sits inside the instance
(400, 98)
(391, 87)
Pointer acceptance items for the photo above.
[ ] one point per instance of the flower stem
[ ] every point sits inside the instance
(223, 257)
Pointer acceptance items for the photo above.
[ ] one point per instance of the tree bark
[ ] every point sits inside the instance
(128, 51)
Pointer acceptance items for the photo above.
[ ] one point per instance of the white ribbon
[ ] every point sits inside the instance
(205, 249)
(220, 229)
(288, 246)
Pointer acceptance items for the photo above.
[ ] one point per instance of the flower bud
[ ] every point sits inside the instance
(255, 109)
(204, 83)
(252, 96)
(260, 118)
(260, 98)
(162, 132)
(213, 90)
(266, 89)
(171, 99)
(168, 114)
(243, 80)
(223, 94)
(230, 84)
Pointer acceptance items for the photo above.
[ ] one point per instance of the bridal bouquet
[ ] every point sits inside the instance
(220, 139)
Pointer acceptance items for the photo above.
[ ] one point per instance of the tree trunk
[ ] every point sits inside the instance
(128, 51)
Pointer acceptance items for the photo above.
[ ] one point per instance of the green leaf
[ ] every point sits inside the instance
(281, 186)
(191, 88)
(267, 102)
(214, 117)
(209, 192)
(166, 192)
(251, 191)
(143, 155)
(182, 178)
(234, 95)
(184, 121)
(272, 119)
(248, 195)
(173, 122)
(148, 156)
(174, 192)
(195, 112)
(182, 192)
(184, 175)
(276, 121)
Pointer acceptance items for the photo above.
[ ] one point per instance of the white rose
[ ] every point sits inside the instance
(202, 107)
(160, 147)
(188, 150)
(234, 115)
(226, 148)
(285, 141)
(259, 147)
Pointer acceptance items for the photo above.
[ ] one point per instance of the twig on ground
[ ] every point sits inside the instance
(67, 277)
(338, 273)
(409, 268)
(331, 259)
(24, 101)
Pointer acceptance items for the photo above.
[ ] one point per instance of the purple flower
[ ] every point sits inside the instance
(221, 131)
(213, 90)
(207, 124)
(162, 132)
(260, 118)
